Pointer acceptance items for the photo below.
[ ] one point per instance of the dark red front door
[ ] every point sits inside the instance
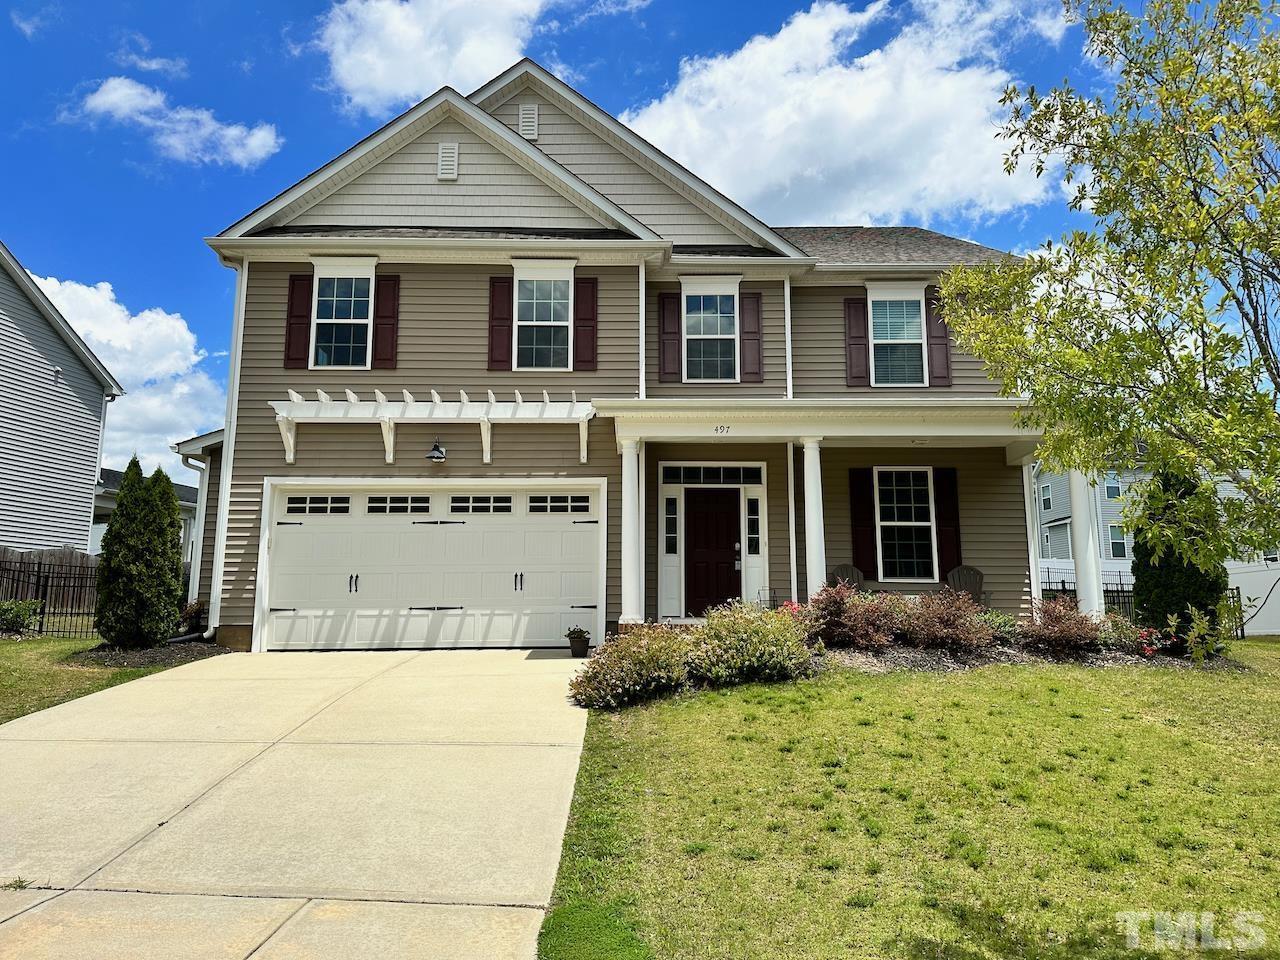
(712, 542)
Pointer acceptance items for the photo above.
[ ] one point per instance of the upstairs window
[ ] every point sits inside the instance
(709, 321)
(898, 355)
(341, 324)
(1046, 497)
(1112, 486)
(543, 312)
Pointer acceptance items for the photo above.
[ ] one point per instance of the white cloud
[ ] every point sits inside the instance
(389, 53)
(189, 134)
(155, 356)
(135, 52)
(846, 135)
(609, 8)
(30, 24)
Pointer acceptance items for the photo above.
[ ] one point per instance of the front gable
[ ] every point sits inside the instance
(491, 190)
(390, 179)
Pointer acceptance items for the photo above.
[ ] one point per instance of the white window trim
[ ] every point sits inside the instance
(1112, 541)
(540, 270)
(932, 525)
(359, 268)
(898, 291)
(711, 286)
(1046, 497)
(1107, 484)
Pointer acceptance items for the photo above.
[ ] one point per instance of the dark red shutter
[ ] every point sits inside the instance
(857, 360)
(749, 338)
(297, 324)
(862, 511)
(946, 508)
(939, 338)
(501, 304)
(585, 313)
(386, 321)
(669, 337)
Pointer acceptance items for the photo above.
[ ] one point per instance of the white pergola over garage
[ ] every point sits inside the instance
(386, 413)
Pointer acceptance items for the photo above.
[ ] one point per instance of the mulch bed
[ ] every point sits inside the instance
(165, 655)
(943, 661)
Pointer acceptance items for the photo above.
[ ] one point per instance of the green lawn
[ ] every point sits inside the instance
(33, 675)
(1008, 811)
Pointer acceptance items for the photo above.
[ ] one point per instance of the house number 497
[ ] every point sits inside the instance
(722, 428)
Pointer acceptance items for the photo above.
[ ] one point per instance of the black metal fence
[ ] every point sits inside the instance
(1118, 597)
(67, 594)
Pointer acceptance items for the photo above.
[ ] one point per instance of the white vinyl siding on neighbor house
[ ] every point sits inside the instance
(607, 167)
(491, 190)
(50, 428)
(1057, 540)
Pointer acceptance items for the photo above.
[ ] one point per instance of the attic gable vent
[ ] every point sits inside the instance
(447, 161)
(529, 121)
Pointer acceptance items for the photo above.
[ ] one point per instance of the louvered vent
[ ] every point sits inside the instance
(447, 161)
(529, 121)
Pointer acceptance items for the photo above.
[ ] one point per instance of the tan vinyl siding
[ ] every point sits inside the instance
(613, 173)
(774, 458)
(213, 470)
(492, 190)
(773, 345)
(993, 526)
(818, 358)
(50, 425)
(443, 336)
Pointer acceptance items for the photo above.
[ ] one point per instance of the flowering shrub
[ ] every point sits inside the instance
(647, 662)
(841, 616)
(743, 642)
(1059, 629)
(946, 620)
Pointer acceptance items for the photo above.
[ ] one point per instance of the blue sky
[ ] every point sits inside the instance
(136, 129)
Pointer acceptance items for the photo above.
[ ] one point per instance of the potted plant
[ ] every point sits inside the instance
(579, 641)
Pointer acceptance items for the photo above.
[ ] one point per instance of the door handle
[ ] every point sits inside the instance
(350, 579)
(522, 583)
(515, 581)
(357, 583)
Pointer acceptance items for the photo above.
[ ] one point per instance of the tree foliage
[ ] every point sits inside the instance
(1150, 341)
(1171, 587)
(140, 567)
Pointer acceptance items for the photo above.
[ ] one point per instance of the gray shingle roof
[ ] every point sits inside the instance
(111, 480)
(887, 245)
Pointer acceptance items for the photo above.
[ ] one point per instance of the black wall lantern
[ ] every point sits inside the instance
(437, 453)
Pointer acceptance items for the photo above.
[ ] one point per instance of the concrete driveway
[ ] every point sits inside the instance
(293, 805)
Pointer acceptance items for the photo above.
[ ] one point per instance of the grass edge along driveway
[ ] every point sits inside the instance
(1010, 811)
(34, 674)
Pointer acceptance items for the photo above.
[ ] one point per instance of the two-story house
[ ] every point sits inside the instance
(53, 409)
(503, 368)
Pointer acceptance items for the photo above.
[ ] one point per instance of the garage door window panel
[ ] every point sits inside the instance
(480, 503)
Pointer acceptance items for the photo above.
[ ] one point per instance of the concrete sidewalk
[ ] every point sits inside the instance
(293, 805)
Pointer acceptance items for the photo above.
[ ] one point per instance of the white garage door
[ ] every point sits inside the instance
(375, 569)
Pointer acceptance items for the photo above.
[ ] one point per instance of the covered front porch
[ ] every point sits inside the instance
(767, 500)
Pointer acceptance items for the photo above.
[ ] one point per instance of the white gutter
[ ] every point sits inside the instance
(228, 451)
(197, 534)
(643, 344)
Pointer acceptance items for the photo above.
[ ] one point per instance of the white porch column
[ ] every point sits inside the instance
(632, 604)
(1084, 544)
(815, 542)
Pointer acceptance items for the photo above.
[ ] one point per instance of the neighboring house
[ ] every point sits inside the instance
(503, 368)
(1256, 577)
(53, 408)
(104, 504)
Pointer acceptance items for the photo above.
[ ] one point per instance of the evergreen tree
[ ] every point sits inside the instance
(1165, 584)
(140, 567)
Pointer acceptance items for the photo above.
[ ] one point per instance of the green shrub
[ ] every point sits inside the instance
(1119, 633)
(946, 620)
(18, 616)
(1167, 589)
(743, 642)
(140, 568)
(646, 662)
(1059, 629)
(1003, 626)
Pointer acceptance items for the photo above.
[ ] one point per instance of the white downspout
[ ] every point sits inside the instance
(643, 345)
(197, 533)
(786, 321)
(228, 451)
